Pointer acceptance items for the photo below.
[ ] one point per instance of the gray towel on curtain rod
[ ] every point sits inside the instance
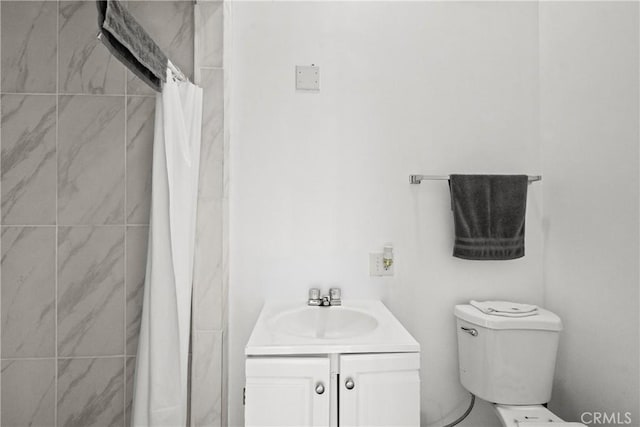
(131, 44)
(489, 215)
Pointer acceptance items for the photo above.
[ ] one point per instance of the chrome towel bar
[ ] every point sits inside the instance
(417, 179)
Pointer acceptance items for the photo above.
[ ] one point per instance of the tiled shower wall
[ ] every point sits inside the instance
(209, 319)
(76, 139)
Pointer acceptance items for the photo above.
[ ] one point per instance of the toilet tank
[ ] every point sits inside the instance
(507, 360)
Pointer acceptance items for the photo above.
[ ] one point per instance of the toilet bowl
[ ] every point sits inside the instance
(529, 416)
(510, 361)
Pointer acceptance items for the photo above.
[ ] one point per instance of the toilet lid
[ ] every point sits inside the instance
(544, 320)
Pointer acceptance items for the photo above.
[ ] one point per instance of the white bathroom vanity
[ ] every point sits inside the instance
(347, 365)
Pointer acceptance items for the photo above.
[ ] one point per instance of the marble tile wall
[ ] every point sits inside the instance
(208, 391)
(76, 133)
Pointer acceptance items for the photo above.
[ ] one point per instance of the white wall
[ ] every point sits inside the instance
(320, 180)
(589, 121)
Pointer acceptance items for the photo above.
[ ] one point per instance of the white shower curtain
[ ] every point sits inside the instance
(160, 388)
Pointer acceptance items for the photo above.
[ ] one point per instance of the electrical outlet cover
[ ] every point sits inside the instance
(376, 266)
(308, 77)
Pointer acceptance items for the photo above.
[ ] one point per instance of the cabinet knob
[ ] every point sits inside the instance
(319, 388)
(349, 384)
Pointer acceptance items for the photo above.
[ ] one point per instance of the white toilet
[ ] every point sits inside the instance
(510, 361)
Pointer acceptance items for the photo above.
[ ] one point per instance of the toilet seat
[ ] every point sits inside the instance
(530, 416)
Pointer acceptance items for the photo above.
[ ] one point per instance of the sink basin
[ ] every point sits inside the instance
(334, 322)
(290, 327)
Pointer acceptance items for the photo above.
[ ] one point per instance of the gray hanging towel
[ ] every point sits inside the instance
(131, 44)
(489, 214)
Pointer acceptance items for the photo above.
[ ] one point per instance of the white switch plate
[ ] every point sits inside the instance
(376, 265)
(307, 77)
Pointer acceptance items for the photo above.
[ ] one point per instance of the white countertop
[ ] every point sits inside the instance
(388, 337)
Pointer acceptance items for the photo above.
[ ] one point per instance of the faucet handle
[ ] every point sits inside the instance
(314, 297)
(314, 293)
(335, 296)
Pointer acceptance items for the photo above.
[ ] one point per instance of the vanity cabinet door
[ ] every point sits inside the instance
(287, 391)
(380, 389)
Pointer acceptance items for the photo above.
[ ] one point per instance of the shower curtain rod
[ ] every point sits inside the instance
(417, 179)
(177, 73)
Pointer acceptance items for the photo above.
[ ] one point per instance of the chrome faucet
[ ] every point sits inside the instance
(328, 300)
